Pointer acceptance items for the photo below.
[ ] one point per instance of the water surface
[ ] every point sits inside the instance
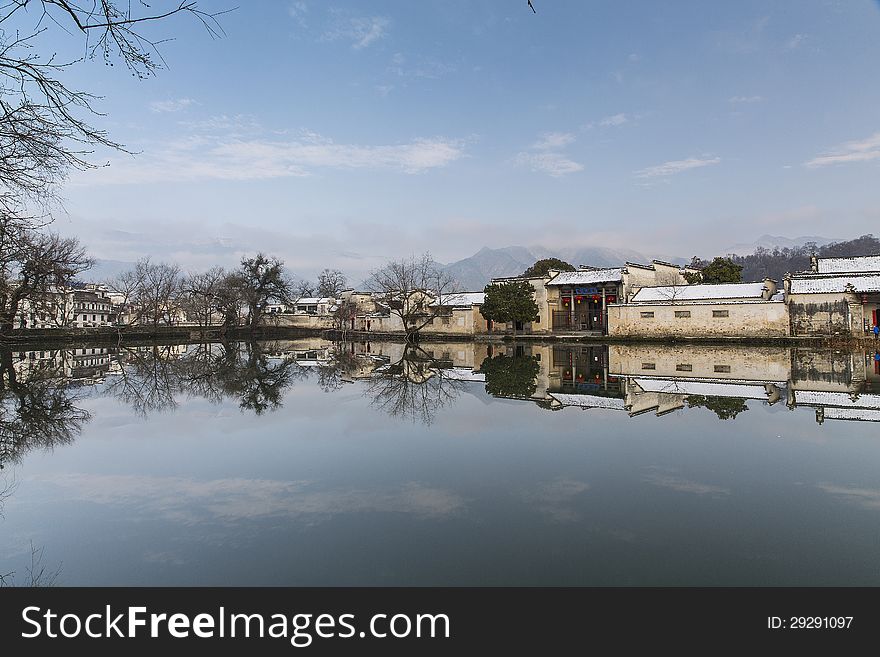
(307, 463)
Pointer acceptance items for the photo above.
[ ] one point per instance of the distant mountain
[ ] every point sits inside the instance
(474, 272)
(104, 270)
(773, 241)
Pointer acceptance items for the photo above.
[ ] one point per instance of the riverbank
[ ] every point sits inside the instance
(140, 335)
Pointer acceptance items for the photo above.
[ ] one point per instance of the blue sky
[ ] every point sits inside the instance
(342, 133)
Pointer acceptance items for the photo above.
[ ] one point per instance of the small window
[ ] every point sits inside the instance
(647, 314)
(682, 314)
(538, 319)
(720, 313)
(649, 366)
(725, 369)
(684, 367)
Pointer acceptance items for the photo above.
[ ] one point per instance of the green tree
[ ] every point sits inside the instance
(726, 408)
(262, 280)
(510, 302)
(720, 270)
(509, 376)
(544, 265)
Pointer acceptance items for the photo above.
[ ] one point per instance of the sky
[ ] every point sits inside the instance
(341, 134)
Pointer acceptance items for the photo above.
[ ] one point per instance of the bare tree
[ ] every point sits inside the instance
(331, 283)
(413, 388)
(262, 280)
(201, 292)
(34, 267)
(414, 290)
(44, 129)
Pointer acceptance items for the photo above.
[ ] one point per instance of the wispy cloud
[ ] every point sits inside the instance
(868, 498)
(676, 166)
(171, 105)
(422, 67)
(614, 120)
(191, 501)
(557, 498)
(795, 41)
(852, 151)
(745, 99)
(551, 141)
(361, 31)
(545, 155)
(242, 156)
(298, 11)
(681, 485)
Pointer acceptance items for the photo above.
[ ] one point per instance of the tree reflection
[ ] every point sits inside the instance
(37, 409)
(726, 408)
(414, 387)
(256, 374)
(510, 376)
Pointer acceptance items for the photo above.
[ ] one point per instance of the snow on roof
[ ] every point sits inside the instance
(588, 401)
(461, 299)
(695, 292)
(848, 265)
(587, 276)
(862, 414)
(312, 301)
(807, 284)
(826, 398)
(717, 388)
(463, 374)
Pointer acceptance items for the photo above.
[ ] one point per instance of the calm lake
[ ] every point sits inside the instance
(309, 463)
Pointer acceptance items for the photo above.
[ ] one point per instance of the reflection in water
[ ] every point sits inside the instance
(562, 484)
(414, 386)
(38, 406)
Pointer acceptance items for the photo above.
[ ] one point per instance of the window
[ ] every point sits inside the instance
(538, 319)
(682, 314)
(720, 313)
(649, 366)
(725, 369)
(647, 314)
(684, 367)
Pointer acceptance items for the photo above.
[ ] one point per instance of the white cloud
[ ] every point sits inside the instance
(253, 157)
(745, 99)
(298, 11)
(360, 30)
(171, 105)
(795, 41)
(676, 166)
(192, 501)
(545, 155)
(550, 141)
(852, 151)
(614, 120)
(553, 164)
(634, 57)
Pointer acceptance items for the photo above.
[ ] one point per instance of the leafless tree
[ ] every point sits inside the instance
(45, 129)
(201, 292)
(37, 411)
(262, 279)
(152, 293)
(413, 388)
(34, 267)
(414, 290)
(331, 283)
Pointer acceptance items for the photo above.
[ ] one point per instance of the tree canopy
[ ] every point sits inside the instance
(720, 270)
(513, 301)
(541, 267)
(510, 376)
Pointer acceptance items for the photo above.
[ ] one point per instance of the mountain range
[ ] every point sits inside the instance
(475, 271)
